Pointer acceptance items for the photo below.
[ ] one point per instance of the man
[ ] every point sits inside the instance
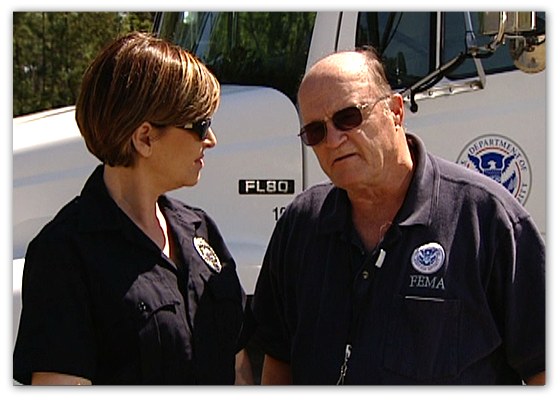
(406, 269)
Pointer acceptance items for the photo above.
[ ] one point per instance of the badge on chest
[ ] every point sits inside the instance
(207, 254)
(428, 258)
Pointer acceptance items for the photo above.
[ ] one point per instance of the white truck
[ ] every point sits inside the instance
(474, 83)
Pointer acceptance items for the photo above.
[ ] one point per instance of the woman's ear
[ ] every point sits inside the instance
(143, 138)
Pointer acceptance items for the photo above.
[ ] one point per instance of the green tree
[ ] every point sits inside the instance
(51, 51)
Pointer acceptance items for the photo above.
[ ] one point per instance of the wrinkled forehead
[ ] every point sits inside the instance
(336, 72)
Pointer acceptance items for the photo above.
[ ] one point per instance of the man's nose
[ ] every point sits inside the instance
(334, 136)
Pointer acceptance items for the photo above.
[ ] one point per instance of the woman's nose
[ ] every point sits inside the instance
(211, 139)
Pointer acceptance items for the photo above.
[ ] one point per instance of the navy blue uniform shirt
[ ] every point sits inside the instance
(453, 294)
(101, 301)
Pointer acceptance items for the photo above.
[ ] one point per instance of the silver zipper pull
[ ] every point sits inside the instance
(344, 367)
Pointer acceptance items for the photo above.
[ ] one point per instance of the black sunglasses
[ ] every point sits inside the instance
(200, 127)
(346, 119)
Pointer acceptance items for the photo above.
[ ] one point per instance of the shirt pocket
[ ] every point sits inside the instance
(159, 322)
(422, 338)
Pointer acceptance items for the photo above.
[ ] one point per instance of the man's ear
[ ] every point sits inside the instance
(397, 108)
(143, 138)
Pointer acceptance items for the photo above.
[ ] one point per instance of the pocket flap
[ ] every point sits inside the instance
(150, 293)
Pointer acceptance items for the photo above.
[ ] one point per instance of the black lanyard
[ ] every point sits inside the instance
(358, 305)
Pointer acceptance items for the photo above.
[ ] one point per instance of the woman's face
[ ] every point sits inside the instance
(178, 156)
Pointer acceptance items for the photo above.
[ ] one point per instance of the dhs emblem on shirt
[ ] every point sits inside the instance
(428, 258)
(207, 254)
(502, 160)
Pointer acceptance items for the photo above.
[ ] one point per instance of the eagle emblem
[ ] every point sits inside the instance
(428, 258)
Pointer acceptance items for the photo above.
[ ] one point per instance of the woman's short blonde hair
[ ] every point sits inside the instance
(139, 78)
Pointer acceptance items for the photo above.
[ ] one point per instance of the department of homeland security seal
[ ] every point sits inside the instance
(207, 254)
(502, 160)
(428, 258)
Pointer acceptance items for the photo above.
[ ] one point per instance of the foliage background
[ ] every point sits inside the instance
(51, 51)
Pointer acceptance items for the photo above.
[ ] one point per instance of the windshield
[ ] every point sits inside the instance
(404, 41)
(246, 48)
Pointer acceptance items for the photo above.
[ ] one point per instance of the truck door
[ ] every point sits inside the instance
(492, 121)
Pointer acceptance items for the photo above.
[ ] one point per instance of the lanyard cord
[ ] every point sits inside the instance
(355, 322)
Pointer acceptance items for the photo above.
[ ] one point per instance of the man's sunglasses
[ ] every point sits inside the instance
(346, 119)
(200, 127)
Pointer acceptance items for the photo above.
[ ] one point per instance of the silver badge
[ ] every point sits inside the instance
(428, 258)
(207, 254)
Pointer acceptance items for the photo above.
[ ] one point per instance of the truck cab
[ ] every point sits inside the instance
(474, 84)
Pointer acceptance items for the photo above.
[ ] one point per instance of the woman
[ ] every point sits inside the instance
(126, 285)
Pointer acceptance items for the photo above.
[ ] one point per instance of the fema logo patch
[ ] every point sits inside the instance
(428, 258)
(502, 160)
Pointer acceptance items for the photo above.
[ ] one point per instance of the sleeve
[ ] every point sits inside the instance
(269, 303)
(55, 332)
(524, 338)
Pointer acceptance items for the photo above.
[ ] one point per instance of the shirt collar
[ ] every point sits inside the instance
(420, 201)
(99, 212)
(183, 221)
(422, 195)
(335, 211)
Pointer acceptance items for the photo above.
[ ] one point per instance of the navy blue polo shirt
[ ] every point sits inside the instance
(453, 294)
(101, 301)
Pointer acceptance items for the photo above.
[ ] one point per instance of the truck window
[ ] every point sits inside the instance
(246, 48)
(454, 43)
(404, 41)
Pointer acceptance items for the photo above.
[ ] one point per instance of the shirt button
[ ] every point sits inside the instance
(142, 306)
(365, 274)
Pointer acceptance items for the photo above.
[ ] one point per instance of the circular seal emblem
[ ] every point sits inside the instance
(428, 258)
(207, 253)
(502, 160)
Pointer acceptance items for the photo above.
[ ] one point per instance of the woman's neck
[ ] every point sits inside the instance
(132, 192)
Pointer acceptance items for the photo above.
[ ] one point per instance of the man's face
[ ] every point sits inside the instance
(360, 156)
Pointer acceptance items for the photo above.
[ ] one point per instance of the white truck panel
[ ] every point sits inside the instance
(16, 299)
(324, 37)
(347, 38)
(513, 106)
(50, 166)
(256, 130)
